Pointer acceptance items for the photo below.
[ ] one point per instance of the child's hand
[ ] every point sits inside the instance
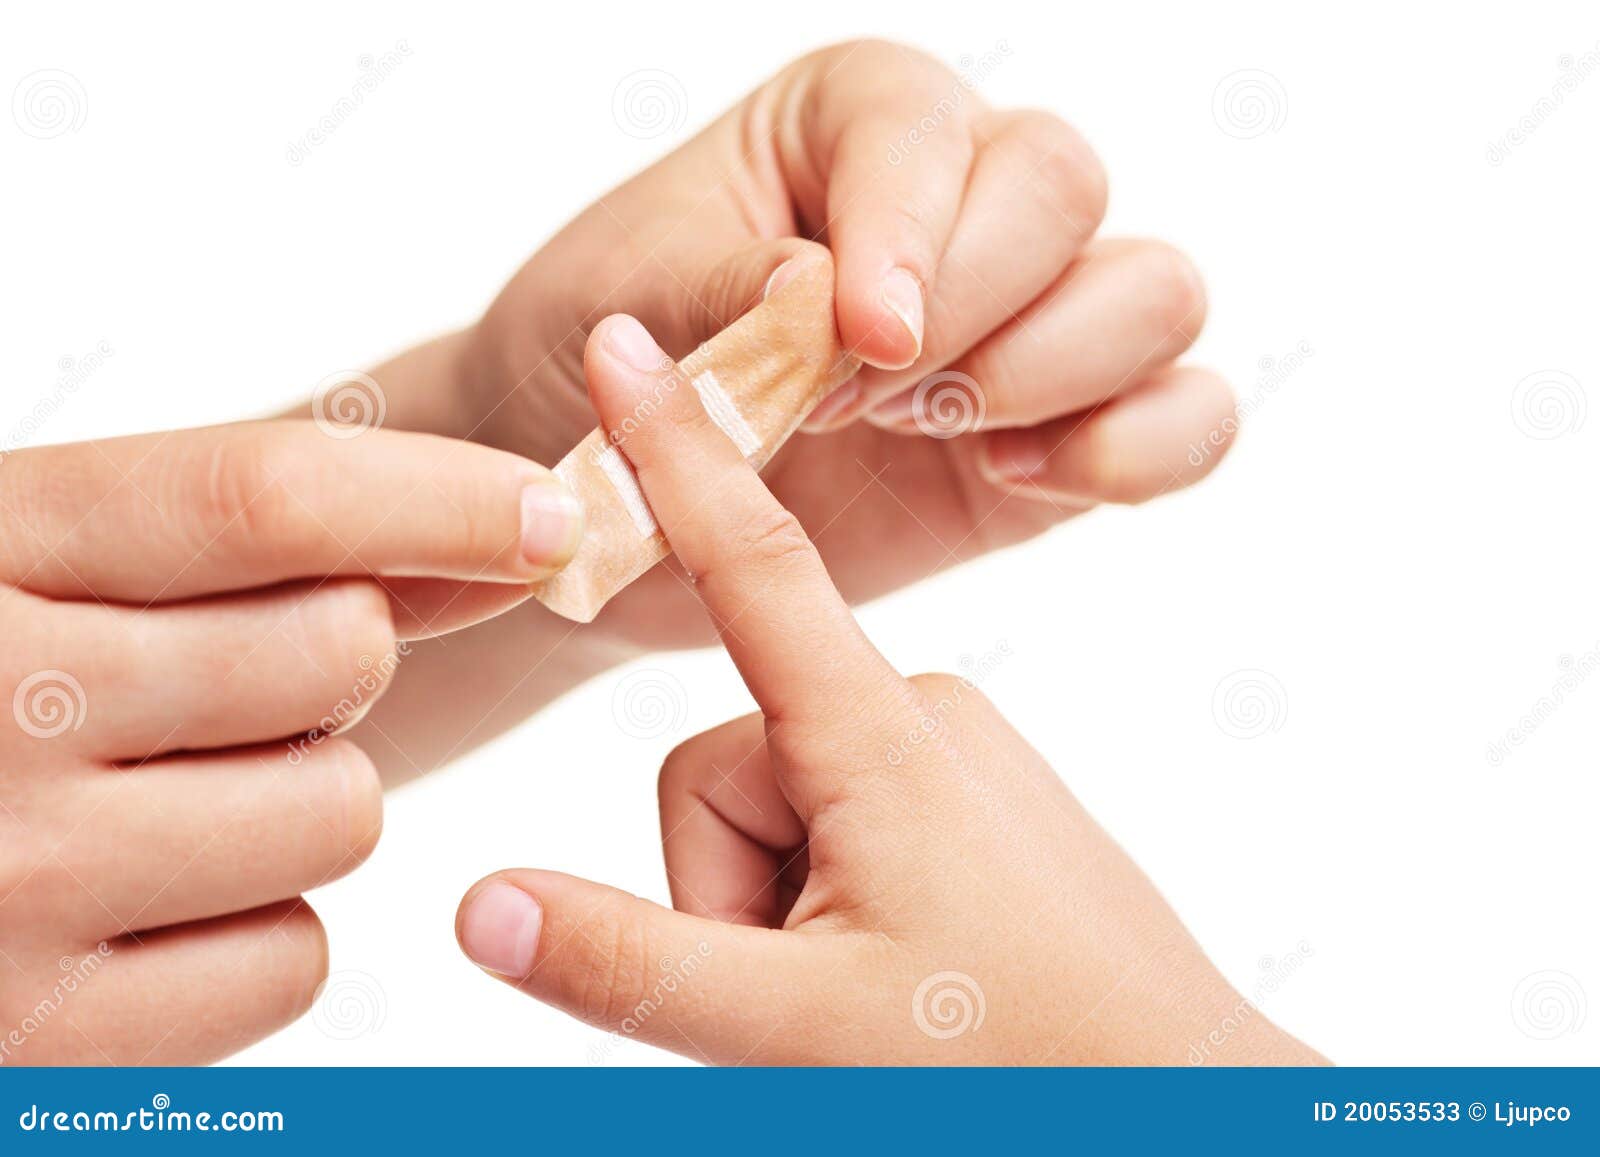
(873, 869)
(173, 607)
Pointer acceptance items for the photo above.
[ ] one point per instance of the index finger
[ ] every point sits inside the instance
(194, 512)
(786, 627)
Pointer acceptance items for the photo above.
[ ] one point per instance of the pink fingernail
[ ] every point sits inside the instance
(500, 929)
(632, 343)
(902, 295)
(781, 276)
(552, 523)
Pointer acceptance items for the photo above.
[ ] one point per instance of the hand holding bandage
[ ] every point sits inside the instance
(757, 381)
(873, 869)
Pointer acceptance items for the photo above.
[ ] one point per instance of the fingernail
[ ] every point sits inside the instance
(632, 343)
(902, 294)
(781, 276)
(835, 404)
(552, 523)
(500, 929)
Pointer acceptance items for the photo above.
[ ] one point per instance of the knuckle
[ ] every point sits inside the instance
(300, 945)
(612, 976)
(771, 537)
(873, 54)
(357, 614)
(1063, 170)
(351, 623)
(678, 769)
(360, 806)
(242, 501)
(1177, 296)
(1113, 476)
(954, 692)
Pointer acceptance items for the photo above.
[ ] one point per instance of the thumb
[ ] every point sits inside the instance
(713, 992)
(712, 292)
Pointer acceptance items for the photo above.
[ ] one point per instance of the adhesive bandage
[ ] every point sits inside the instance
(757, 380)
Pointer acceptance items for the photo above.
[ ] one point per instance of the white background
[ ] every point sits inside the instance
(1391, 549)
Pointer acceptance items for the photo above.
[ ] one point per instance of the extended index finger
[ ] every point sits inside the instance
(790, 633)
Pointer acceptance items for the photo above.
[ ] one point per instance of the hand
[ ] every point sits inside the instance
(174, 606)
(873, 869)
(969, 250)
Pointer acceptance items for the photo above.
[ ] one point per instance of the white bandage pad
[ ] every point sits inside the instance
(620, 473)
(725, 414)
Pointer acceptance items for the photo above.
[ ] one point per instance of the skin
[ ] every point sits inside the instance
(863, 844)
(174, 606)
(174, 826)
(1072, 340)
